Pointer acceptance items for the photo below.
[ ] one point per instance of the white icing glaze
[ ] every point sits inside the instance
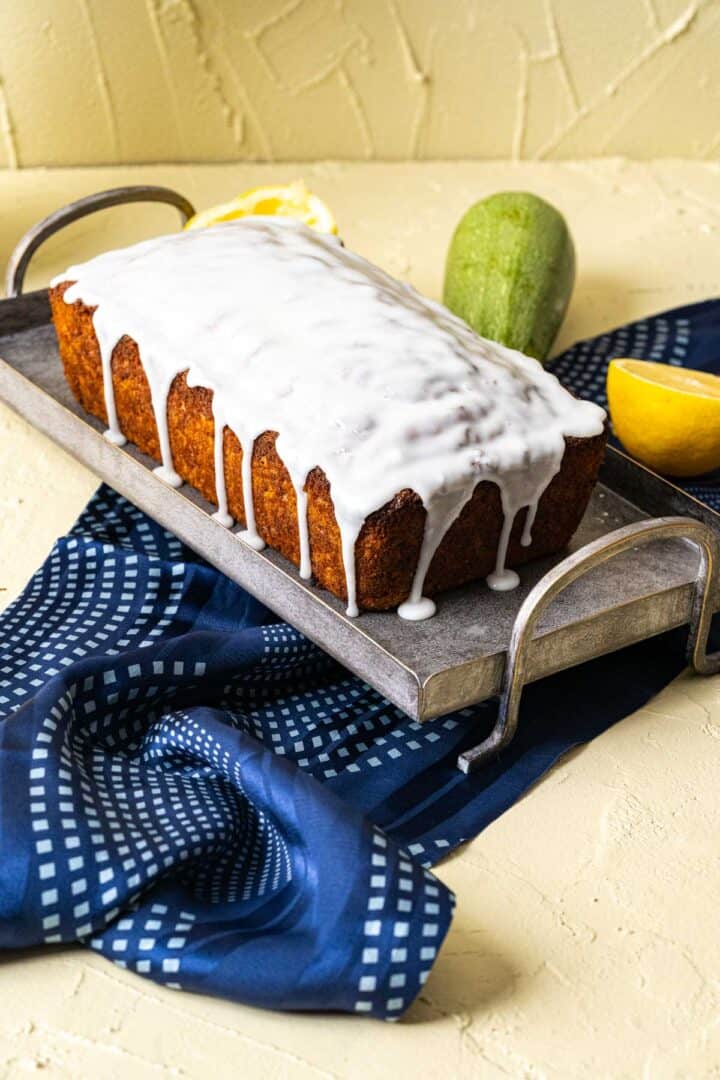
(305, 568)
(221, 514)
(380, 387)
(417, 610)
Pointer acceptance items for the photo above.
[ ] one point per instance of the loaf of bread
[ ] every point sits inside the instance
(389, 543)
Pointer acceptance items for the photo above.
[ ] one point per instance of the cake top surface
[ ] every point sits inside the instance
(358, 373)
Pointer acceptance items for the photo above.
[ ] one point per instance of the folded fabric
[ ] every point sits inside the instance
(148, 806)
(193, 789)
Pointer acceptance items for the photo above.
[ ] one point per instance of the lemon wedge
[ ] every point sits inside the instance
(666, 417)
(289, 200)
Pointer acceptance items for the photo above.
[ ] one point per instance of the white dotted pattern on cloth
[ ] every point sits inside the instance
(413, 886)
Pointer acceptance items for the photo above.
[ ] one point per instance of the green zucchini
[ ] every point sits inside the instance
(510, 271)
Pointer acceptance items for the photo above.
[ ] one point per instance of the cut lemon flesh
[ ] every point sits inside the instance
(290, 200)
(667, 417)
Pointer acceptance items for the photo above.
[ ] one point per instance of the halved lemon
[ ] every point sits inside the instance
(667, 417)
(289, 200)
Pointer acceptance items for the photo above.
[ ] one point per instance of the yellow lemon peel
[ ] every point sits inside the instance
(666, 417)
(287, 200)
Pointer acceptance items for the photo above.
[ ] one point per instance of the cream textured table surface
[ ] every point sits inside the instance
(585, 941)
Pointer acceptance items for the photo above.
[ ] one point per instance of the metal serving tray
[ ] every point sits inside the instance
(616, 589)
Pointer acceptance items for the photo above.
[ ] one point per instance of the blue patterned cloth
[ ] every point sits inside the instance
(194, 790)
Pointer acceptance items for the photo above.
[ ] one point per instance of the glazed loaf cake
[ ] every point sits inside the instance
(495, 498)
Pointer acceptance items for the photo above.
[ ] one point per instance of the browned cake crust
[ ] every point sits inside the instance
(388, 547)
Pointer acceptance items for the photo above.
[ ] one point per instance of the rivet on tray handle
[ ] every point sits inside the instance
(574, 566)
(102, 200)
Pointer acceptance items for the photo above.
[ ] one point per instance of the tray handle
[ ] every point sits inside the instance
(570, 569)
(101, 200)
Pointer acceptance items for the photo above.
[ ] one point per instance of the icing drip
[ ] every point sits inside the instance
(526, 538)
(381, 388)
(348, 540)
(502, 579)
(441, 513)
(253, 539)
(417, 610)
(249, 534)
(168, 475)
(221, 514)
(159, 391)
(305, 569)
(113, 433)
(517, 490)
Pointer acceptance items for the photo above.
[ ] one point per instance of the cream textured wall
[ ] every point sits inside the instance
(104, 81)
